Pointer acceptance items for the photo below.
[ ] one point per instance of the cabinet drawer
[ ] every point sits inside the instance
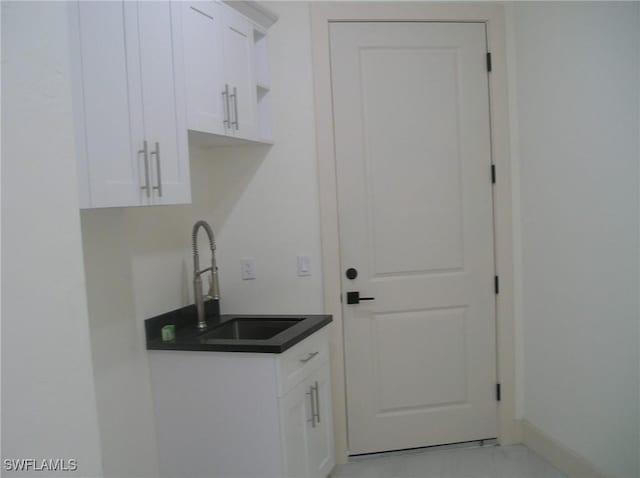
(299, 361)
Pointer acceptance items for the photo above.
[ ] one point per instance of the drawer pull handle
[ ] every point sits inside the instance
(317, 415)
(227, 110)
(309, 357)
(156, 153)
(313, 408)
(234, 95)
(145, 154)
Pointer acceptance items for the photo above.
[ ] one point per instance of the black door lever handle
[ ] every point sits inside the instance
(354, 297)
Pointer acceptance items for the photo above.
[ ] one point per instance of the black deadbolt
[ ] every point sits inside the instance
(351, 273)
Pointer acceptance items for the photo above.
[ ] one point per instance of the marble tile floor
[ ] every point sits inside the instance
(487, 461)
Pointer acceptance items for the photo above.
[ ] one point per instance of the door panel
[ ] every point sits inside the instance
(440, 335)
(413, 161)
(429, 228)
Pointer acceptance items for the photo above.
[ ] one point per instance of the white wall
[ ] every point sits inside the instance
(577, 93)
(48, 399)
(261, 202)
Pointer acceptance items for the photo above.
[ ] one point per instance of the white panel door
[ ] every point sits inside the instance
(159, 31)
(415, 209)
(240, 74)
(112, 114)
(203, 57)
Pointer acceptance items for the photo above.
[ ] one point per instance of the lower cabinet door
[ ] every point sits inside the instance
(295, 412)
(307, 424)
(320, 431)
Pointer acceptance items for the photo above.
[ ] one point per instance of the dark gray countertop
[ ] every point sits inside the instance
(188, 337)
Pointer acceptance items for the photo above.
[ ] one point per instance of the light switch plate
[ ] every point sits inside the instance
(304, 266)
(248, 268)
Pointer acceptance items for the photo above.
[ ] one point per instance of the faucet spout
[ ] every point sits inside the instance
(214, 286)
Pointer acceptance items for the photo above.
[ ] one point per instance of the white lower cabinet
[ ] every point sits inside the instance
(229, 414)
(306, 423)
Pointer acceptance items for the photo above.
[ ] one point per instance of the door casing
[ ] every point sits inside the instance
(322, 14)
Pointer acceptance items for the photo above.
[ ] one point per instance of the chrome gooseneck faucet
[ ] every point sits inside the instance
(214, 287)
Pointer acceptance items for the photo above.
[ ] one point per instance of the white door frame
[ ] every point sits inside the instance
(492, 14)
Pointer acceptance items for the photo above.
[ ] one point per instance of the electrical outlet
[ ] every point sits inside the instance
(248, 268)
(304, 266)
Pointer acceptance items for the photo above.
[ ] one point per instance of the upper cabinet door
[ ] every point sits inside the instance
(238, 39)
(159, 30)
(207, 100)
(108, 106)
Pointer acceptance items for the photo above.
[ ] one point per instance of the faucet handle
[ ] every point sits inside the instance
(211, 294)
(210, 291)
(214, 288)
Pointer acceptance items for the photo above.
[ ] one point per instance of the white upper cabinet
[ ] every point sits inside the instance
(144, 73)
(240, 74)
(226, 71)
(207, 97)
(129, 104)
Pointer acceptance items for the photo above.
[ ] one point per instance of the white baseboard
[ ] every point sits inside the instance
(566, 460)
(511, 435)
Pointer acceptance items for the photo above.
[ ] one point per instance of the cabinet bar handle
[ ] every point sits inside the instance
(225, 94)
(145, 153)
(309, 357)
(313, 408)
(317, 416)
(156, 153)
(235, 107)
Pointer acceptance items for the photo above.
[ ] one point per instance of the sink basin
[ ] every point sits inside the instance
(246, 328)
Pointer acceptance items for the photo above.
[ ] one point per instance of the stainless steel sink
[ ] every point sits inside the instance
(246, 328)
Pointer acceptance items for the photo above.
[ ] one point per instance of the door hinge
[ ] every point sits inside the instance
(488, 61)
(497, 284)
(493, 174)
(497, 392)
